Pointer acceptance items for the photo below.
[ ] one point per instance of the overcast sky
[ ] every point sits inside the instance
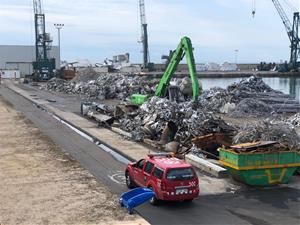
(99, 29)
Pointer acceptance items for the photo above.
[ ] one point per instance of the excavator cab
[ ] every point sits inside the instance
(139, 99)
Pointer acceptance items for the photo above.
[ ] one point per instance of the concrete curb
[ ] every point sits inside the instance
(206, 166)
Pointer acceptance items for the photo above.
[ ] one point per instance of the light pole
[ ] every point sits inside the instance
(236, 51)
(58, 26)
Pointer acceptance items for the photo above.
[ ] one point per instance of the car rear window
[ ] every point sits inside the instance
(158, 173)
(180, 174)
(149, 166)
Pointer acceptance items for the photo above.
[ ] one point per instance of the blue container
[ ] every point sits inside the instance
(135, 197)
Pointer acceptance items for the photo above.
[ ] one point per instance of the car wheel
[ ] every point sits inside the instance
(129, 181)
(121, 202)
(130, 211)
(153, 200)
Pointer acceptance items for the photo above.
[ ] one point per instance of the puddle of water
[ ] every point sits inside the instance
(74, 129)
(116, 155)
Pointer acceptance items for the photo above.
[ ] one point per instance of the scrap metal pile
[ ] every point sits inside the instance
(259, 146)
(249, 97)
(153, 116)
(281, 132)
(92, 85)
(168, 124)
(280, 136)
(295, 120)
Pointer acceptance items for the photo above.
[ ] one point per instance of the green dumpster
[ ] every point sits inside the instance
(260, 168)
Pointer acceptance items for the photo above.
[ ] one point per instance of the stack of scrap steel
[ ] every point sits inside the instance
(101, 113)
(260, 146)
(191, 121)
(251, 97)
(93, 85)
(262, 136)
(57, 84)
(281, 132)
(295, 120)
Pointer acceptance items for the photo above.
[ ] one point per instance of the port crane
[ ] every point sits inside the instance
(292, 32)
(44, 65)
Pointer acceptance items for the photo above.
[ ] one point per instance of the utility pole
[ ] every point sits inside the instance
(58, 26)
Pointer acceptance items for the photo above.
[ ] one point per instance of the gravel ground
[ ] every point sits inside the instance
(42, 185)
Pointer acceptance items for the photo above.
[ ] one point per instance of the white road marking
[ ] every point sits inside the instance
(118, 178)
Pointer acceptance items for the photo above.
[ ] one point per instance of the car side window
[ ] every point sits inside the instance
(149, 166)
(158, 173)
(140, 164)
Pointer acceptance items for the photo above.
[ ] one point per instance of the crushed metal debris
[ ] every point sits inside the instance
(266, 131)
(92, 85)
(295, 120)
(151, 121)
(249, 97)
(264, 100)
(251, 106)
(154, 114)
(260, 146)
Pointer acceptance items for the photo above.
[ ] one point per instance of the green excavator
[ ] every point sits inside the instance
(184, 48)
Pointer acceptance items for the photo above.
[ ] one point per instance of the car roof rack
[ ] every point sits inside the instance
(162, 154)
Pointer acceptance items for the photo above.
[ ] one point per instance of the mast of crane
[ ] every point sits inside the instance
(43, 66)
(144, 36)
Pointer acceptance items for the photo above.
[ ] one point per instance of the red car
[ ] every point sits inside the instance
(170, 178)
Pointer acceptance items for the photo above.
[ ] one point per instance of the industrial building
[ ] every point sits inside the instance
(19, 58)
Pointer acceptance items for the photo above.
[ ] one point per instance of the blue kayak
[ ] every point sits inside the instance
(135, 197)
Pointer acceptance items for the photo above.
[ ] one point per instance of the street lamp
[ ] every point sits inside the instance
(58, 26)
(236, 51)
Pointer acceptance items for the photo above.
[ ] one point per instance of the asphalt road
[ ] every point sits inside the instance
(256, 206)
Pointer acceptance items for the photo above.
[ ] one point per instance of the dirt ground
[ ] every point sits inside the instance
(42, 185)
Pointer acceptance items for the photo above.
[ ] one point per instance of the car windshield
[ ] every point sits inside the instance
(180, 174)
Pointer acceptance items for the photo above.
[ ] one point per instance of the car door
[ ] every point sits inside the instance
(138, 174)
(147, 172)
(157, 176)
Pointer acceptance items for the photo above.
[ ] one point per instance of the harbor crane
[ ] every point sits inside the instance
(292, 32)
(44, 65)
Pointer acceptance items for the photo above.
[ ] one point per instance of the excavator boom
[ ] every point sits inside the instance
(184, 49)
